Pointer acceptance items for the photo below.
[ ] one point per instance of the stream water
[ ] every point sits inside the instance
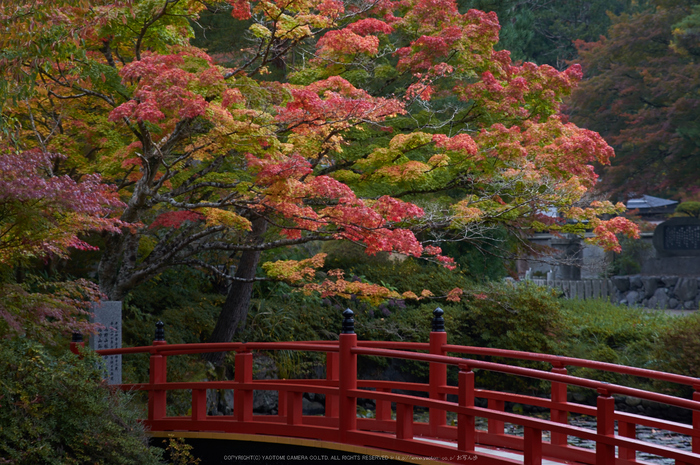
(661, 437)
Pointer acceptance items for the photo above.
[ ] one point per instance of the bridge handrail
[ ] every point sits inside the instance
(563, 361)
(206, 347)
(554, 360)
(332, 346)
(599, 386)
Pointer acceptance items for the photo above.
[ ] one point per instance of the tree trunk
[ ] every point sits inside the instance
(235, 309)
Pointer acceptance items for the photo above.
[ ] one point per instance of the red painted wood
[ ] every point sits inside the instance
(404, 421)
(605, 453)
(341, 387)
(696, 420)
(157, 374)
(282, 404)
(347, 411)
(383, 407)
(243, 395)
(496, 426)
(466, 430)
(558, 396)
(532, 452)
(558, 360)
(628, 430)
(438, 380)
(199, 404)
(74, 347)
(294, 408)
(332, 374)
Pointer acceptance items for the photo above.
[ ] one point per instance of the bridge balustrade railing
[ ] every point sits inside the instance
(397, 430)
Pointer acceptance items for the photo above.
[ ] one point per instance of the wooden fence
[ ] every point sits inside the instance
(581, 289)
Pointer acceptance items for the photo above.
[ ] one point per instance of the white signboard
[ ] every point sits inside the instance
(109, 315)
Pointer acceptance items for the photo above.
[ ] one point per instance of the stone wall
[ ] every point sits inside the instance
(665, 292)
(662, 292)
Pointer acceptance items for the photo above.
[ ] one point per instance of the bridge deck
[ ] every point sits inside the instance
(329, 451)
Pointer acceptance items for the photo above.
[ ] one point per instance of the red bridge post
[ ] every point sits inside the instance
(605, 453)
(438, 371)
(347, 414)
(77, 341)
(332, 373)
(243, 397)
(558, 396)
(157, 375)
(696, 419)
(466, 428)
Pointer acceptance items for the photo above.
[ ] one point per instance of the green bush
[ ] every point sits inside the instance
(58, 410)
(600, 330)
(678, 349)
(523, 317)
(592, 326)
(689, 208)
(629, 260)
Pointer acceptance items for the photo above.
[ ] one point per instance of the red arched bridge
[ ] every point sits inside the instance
(400, 435)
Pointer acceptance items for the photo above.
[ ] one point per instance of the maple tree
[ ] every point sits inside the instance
(398, 127)
(42, 215)
(641, 94)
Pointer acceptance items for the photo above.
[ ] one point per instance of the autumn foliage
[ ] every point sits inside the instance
(397, 126)
(641, 94)
(42, 215)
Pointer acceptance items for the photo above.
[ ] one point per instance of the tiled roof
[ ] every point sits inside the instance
(647, 201)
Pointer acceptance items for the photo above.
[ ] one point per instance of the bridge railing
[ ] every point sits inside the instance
(458, 441)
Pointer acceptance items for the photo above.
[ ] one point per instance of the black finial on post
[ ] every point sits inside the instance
(77, 337)
(348, 322)
(160, 333)
(438, 320)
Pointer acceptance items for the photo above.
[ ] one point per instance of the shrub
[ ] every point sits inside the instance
(58, 410)
(689, 208)
(600, 330)
(594, 326)
(523, 317)
(678, 348)
(629, 261)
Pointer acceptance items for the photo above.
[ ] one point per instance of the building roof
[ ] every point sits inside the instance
(647, 201)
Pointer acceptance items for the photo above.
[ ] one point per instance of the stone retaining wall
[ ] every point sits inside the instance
(666, 292)
(662, 292)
